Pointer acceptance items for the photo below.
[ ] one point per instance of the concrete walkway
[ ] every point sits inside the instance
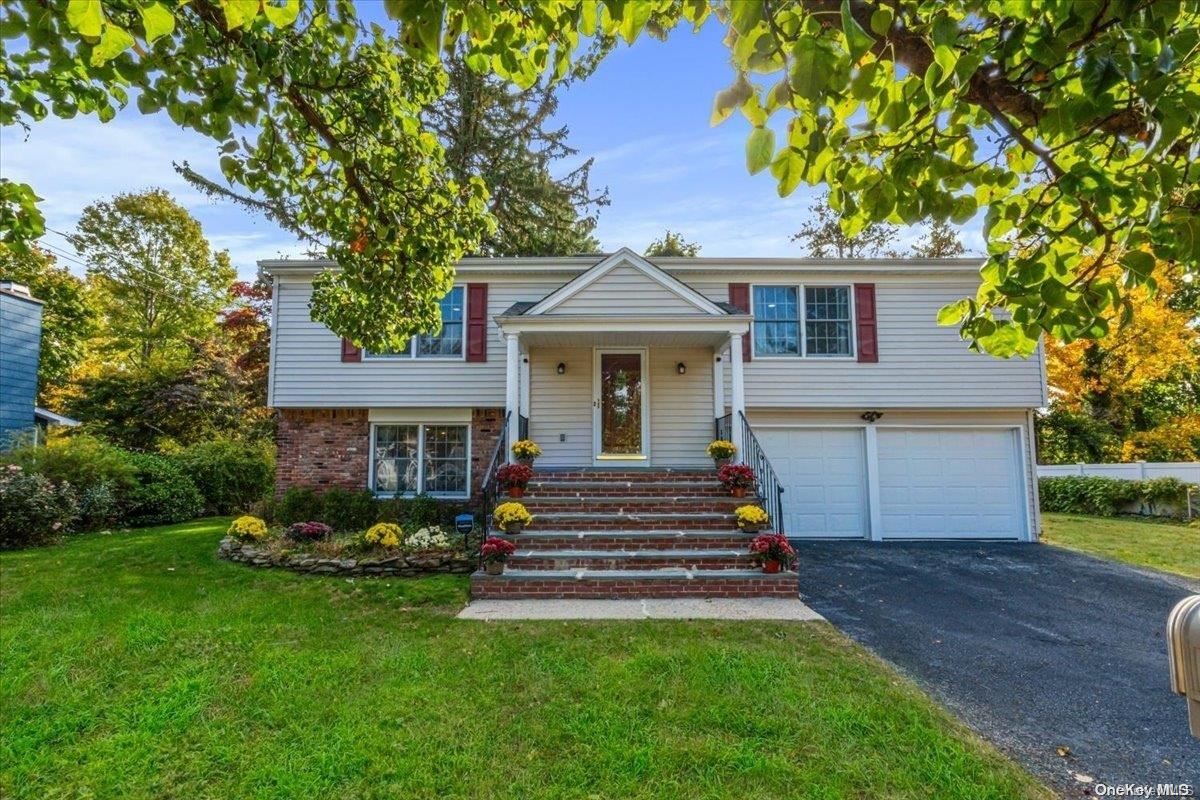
(683, 608)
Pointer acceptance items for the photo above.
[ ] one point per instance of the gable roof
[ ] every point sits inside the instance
(625, 259)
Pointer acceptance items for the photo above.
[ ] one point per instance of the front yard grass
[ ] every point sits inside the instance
(1158, 545)
(139, 665)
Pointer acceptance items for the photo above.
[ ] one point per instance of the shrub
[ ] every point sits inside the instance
(1107, 497)
(248, 528)
(81, 460)
(33, 509)
(161, 495)
(308, 531)
(344, 510)
(428, 539)
(422, 511)
(298, 504)
(99, 507)
(383, 534)
(230, 475)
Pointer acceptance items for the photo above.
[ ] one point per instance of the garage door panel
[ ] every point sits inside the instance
(950, 484)
(823, 473)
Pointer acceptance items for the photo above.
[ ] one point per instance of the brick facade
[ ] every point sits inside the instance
(322, 448)
(487, 425)
(326, 447)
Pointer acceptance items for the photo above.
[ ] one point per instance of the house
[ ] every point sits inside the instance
(832, 378)
(20, 350)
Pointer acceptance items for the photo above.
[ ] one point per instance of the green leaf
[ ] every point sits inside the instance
(86, 17)
(634, 18)
(788, 169)
(157, 21)
(394, 9)
(808, 74)
(113, 42)
(283, 15)
(946, 58)
(760, 147)
(953, 313)
(881, 20)
(1139, 262)
(744, 14)
(858, 41)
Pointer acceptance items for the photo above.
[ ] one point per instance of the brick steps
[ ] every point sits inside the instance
(686, 558)
(547, 489)
(641, 520)
(605, 584)
(631, 540)
(634, 504)
(625, 475)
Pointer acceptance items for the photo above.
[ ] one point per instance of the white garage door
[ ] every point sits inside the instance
(951, 483)
(823, 472)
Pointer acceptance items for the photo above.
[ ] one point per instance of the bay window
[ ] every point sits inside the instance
(803, 321)
(409, 459)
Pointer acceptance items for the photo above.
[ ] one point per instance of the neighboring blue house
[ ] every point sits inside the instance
(20, 347)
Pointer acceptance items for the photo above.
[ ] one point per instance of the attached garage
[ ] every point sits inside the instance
(951, 483)
(929, 482)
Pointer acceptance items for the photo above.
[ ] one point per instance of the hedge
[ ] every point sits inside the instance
(1107, 497)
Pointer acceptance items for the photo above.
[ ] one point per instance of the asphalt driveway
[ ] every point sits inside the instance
(1035, 647)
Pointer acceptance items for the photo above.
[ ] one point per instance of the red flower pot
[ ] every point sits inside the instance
(772, 567)
(516, 491)
(738, 491)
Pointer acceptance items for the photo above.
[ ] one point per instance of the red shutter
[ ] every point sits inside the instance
(864, 321)
(477, 321)
(350, 353)
(739, 298)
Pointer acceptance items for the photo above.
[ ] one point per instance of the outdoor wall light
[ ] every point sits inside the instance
(562, 368)
(681, 368)
(870, 416)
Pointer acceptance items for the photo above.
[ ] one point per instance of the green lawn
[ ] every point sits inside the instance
(1159, 545)
(140, 665)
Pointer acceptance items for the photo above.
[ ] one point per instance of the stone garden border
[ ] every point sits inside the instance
(405, 565)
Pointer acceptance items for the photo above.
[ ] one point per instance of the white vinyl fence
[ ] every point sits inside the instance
(1188, 471)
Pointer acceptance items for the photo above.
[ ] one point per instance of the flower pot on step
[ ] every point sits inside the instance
(528, 462)
(772, 567)
(494, 568)
(748, 528)
(738, 491)
(516, 491)
(513, 528)
(720, 462)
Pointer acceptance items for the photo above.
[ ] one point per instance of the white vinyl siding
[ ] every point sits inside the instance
(921, 364)
(625, 290)
(560, 406)
(681, 407)
(308, 371)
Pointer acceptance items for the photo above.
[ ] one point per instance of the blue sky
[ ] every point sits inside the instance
(643, 115)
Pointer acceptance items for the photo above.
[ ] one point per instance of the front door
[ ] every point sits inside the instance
(620, 407)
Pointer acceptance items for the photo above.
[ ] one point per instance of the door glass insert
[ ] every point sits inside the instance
(621, 403)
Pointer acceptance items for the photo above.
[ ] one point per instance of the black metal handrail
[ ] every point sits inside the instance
(491, 488)
(753, 456)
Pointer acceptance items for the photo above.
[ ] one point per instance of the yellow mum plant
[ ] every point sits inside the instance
(721, 448)
(248, 528)
(751, 516)
(526, 448)
(508, 515)
(384, 534)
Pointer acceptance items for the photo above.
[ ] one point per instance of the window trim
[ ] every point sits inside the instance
(802, 301)
(412, 355)
(420, 461)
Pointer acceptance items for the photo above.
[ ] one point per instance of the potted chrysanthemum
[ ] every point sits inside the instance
(494, 552)
(737, 478)
(721, 452)
(525, 451)
(511, 517)
(773, 551)
(514, 478)
(751, 519)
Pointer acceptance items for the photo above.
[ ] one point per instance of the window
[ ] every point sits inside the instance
(827, 321)
(821, 328)
(776, 320)
(411, 459)
(447, 344)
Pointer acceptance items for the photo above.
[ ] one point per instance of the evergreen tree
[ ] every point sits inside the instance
(501, 133)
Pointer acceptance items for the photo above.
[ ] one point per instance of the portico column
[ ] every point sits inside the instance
(512, 386)
(718, 385)
(738, 390)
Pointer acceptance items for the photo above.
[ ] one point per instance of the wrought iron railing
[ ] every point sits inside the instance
(491, 485)
(766, 482)
(769, 488)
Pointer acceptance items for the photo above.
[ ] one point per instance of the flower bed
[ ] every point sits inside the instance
(381, 550)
